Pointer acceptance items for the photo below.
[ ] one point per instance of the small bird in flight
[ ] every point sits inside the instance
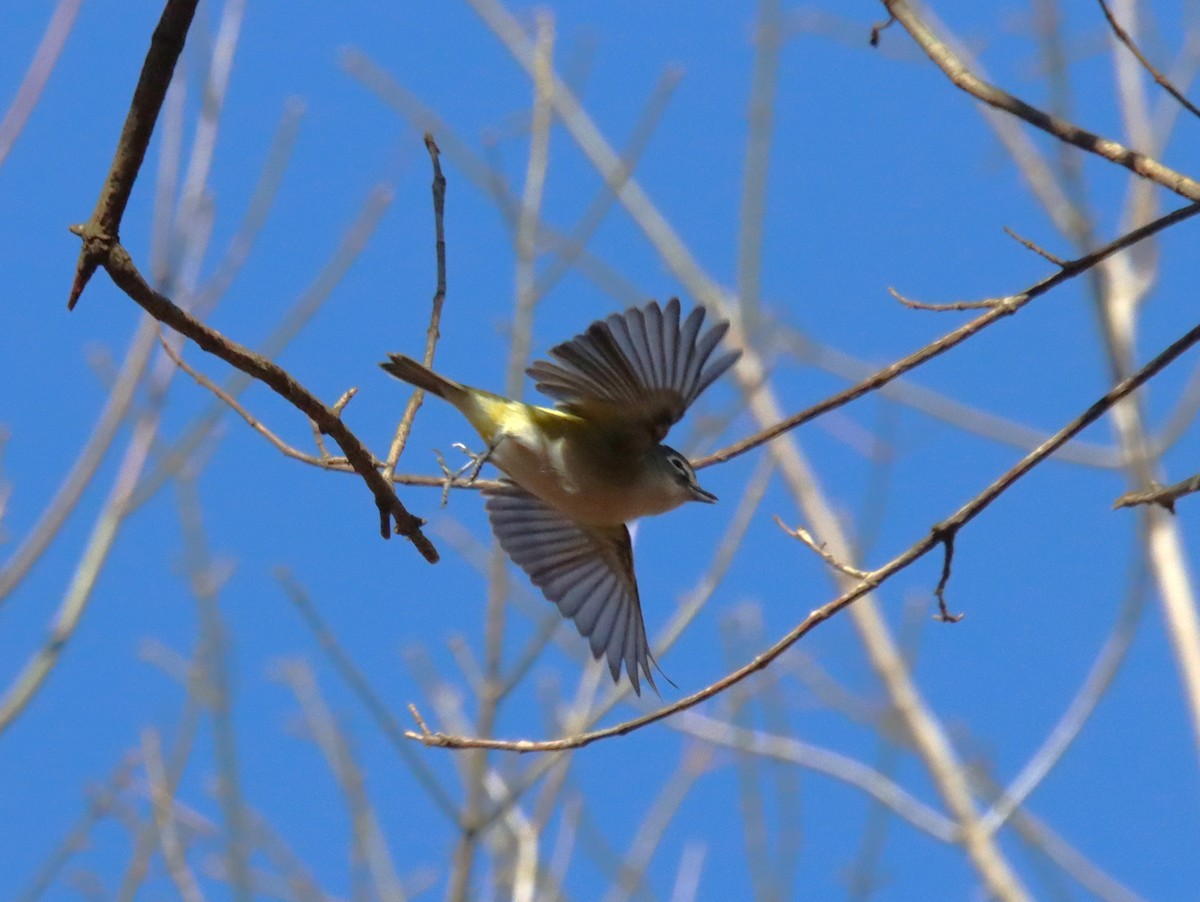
(578, 472)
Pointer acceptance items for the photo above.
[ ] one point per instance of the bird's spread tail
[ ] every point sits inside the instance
(408, 370)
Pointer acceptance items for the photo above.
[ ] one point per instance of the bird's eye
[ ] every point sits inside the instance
(678, 464)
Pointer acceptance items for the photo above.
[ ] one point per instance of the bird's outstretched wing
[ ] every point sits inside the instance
(586, 571)
(642, 368)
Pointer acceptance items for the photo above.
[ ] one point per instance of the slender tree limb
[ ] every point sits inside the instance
(302, 311)
(101, 246)
(806, 538)
(103, 229)
(435, 314)
(962, 77)
(840, 767)
(1161, 80)
(126, 276)
(999, 309)
(162, 799)
(323, 459)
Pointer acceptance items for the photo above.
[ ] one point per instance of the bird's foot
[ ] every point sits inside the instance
(471, 468)
(476, 462)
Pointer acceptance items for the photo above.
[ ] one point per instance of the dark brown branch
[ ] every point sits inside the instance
(1163, 496)
(102, 247)
(323, 459)
(936, 536)
(962, 77)
(103, 229)
(943, 614)
(121, 269)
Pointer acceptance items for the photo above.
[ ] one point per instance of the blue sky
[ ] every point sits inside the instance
(881, 174)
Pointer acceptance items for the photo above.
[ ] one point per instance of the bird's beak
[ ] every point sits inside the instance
(699, 494)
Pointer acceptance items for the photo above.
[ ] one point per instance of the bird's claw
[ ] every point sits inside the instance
(474, 464)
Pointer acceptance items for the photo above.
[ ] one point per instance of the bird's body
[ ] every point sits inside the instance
(584, 469)
(579, 472)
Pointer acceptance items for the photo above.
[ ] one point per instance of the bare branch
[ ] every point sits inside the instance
(1162, 81)
(1163, 496)
(947, 540)
(951, 339)
(435, 314)
(103, 229)
(1040, 251)
(986, 304)
(101, 246)
(123, 272)
(962, 77)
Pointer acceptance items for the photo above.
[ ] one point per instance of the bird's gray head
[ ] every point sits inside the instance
(682, 476)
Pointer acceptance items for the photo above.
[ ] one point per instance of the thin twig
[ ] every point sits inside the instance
(1159, 78)
(302, 311)
(1037, 249)
(87, 463)
(943, 614)
(435, 314)
(252, 421)
(839, 767)
(125, 274)
(986, 304)
(803, 535)
(262, 201)
(1163, 496)
(205, 580)
(1087, 699)
(356, 680)
(481, 174)
(101, 801)
(161, 798)
(942, 407)
(951, 339)
(370, 843)
(956, 70)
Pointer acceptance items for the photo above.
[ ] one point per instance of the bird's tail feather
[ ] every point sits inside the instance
(408, 370)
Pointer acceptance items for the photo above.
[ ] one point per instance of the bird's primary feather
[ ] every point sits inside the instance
(641, 369)
(586, 571)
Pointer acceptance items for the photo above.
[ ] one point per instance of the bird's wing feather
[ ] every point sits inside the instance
(586, 571)
(643, 367)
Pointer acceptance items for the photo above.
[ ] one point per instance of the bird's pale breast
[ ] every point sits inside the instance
(569, 470)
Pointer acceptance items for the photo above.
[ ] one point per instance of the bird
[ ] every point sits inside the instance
(577, 473)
